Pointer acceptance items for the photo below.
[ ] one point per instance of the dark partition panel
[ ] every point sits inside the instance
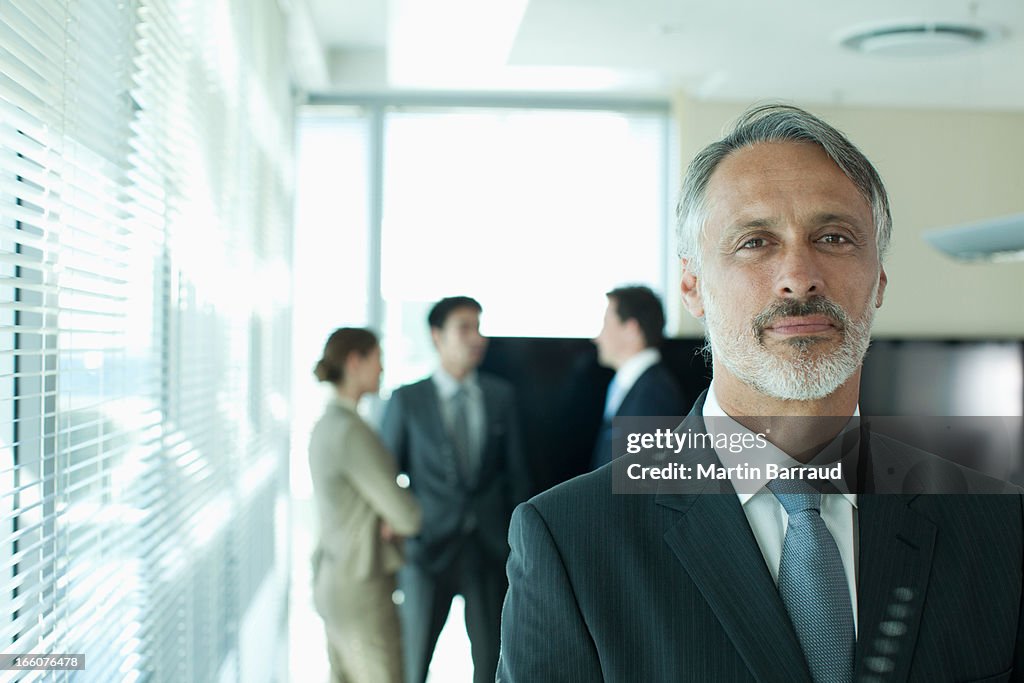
(561, 388)
(934, 377)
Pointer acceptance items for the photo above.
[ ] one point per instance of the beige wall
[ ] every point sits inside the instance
(941, 168)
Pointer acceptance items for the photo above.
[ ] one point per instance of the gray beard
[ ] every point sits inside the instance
(802, 376)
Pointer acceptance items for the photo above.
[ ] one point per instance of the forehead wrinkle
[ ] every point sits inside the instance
(769, 185)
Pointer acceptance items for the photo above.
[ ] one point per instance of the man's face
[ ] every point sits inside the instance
(458, 342)
(791, 275)
(615, 338)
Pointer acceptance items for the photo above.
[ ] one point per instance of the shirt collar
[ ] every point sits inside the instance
(630, 371)
(771, 454)
(447, 385)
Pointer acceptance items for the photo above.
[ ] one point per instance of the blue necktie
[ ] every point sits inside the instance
(813, 585)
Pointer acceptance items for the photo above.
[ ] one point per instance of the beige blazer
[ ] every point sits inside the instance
(354, 489)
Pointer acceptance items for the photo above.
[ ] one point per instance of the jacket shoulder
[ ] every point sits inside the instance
(659, 374)
(334, 420)
(587, 492)
(413, 389)
(656, 392)
(901, 467)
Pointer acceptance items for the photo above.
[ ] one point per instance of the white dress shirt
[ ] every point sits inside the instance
(625, 377)
(768, 519)
(447, 386)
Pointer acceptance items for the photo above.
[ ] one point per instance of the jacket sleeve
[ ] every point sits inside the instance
(393, 430)
(543, 634)
(371, 470)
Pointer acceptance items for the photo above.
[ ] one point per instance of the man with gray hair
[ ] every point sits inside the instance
(783, 228)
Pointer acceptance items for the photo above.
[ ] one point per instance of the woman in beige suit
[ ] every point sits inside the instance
(363, 514)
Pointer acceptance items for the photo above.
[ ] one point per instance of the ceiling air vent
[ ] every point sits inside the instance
(916, 39)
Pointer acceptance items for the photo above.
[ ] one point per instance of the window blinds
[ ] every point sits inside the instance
(144, 162)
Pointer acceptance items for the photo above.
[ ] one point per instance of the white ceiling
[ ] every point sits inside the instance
(712, 50)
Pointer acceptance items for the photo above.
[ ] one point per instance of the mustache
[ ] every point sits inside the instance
(789, 308)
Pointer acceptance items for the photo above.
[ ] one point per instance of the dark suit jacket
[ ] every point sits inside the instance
(673, 587)
(655, 393)
(414, 431)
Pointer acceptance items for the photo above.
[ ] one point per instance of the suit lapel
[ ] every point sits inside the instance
(895, 553)
(714, 543)
(895, 560)
(431, 405)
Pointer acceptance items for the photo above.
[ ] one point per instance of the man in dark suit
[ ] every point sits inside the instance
(628, 343)
(456, 435)
(783, 227)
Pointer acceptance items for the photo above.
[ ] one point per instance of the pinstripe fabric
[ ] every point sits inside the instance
(941, 601)
(649, 588)
(587, 619)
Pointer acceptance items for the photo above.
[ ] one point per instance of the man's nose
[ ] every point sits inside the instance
(800, 275)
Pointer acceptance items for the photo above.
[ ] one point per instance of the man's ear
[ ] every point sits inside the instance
(633, 326)
(435, 335)
(883, 280)
(690, 287)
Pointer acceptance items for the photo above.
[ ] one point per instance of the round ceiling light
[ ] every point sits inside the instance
(917, 39)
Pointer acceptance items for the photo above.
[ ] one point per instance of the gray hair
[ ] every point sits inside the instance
(775, 123)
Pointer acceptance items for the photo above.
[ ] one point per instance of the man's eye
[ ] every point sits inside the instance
(835, 239)
(753, 243)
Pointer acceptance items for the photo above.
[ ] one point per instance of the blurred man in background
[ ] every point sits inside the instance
(456, 435)
(628, 343)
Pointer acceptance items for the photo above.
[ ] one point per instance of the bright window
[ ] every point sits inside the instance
(535, 213)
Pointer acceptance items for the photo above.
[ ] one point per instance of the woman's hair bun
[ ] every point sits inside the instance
(326, 372)
(341, 343)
